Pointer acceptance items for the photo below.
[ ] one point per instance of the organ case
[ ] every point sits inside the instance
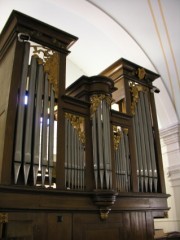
(76, 163)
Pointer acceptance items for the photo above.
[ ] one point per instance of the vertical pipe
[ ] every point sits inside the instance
(20, 117)
(76, 139)
(141, 128)
(38, 112)
(94, 142)
(105, 143)
(77, 160)
(100, 143)
(116, 168)
(107, 109)
(141, 168)
(44, 145)
(136, 152)
(29, 121)
(146, 138)
(83, 162)
(124, 165)
(69, 154)
(120, 165)
(81, 166)
(126, 140)
(72, 155)
(78, 163)
(51, 134)
(66, 151)
(151, 140)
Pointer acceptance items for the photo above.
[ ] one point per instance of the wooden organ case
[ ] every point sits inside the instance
(76, 163)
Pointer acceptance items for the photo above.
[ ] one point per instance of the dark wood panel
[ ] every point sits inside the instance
(130, 225)
(6, 65)
(90, 227)
(59, 226)
(33, 225)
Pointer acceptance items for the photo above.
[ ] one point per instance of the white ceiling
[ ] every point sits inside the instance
(146, 32)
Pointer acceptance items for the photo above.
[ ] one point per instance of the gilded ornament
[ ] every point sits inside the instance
(135, 89)
(96, 100)
(77, 122)
(141, 73)
(50, 60)
(3, 217)
(135, 96)
(117, 137)
(125, 130)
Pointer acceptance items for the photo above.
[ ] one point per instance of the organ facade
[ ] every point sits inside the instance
(82, 162)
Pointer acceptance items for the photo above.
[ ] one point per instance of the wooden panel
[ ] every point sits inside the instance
(6, 66)
(108, 234)
(39, 225)
(60, 226)
(27, 225)
(90, 227)
(20, 230)
(123, 225)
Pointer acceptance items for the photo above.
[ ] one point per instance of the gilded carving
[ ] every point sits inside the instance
(96, 100)
(141, 73)
(104, 213)
(135, 97)
(135, 89)
(117, 136)
(117, 133)
(50, 60)
(125, 130)
(3, 217)
(78, 124)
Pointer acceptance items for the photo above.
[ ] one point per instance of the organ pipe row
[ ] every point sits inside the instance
(144, 140)
(35, 123)
(122, 159)
(100, 110)
(74, 152)
(34, 138)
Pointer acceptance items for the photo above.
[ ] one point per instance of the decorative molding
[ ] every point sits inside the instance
(173, 174)
(104, 200)
(170, 135)
(171, 130)
(170, 143)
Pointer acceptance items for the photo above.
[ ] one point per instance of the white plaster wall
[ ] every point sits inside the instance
(170, 143)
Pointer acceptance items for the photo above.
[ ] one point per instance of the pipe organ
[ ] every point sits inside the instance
(82, 162)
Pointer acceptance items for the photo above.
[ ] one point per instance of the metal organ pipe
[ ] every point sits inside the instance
(20, 118)
(100, 110)
(144, 141)
(74, 153)
(44, 154)
(51, 134)
(29, 122)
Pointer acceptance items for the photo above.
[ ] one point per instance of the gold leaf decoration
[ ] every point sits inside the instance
(96, 100)
(135, 97)
(117, 136)
(78, 124)
(135, 89)
(141, 73)
(50, 60)
(125, 130)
